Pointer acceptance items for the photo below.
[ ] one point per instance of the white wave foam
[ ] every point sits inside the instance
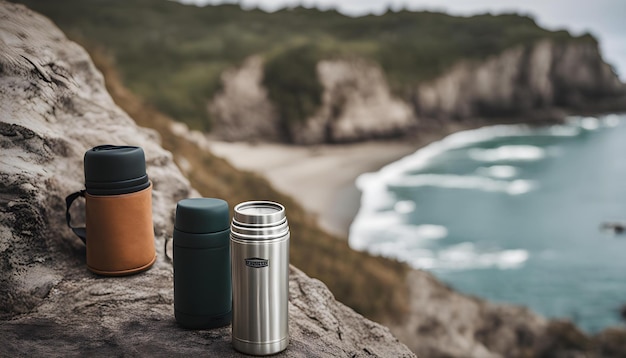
(380, 218)
(612, 120)
(377, 201)
(590, 123)
(407, 242)
(515, 187)
(393, 249)
(365, 233)
(387, 227)
(564, 131)
(507, 153)
(518, 187)
(498, 171)
(593, 123)
(465, 256)
(419, 233)
(404, 206)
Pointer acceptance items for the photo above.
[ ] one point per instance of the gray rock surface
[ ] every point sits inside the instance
(53, 108)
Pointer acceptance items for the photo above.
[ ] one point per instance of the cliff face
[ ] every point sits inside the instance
(522, 80)
(357, 104)
(242, 109)
(539, 82)
(54, 107)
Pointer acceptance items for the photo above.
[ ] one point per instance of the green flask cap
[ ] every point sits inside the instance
(202, 216)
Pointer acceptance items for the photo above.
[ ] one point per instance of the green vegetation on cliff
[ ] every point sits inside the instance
(291, 80)
(172, 55)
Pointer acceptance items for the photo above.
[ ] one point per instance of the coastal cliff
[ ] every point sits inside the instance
(243, 109)
(54, 107)
(523, 82)
(357, 104)
(540, 82)
(305, 76)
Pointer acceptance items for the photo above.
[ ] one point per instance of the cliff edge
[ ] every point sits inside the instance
(54, 107)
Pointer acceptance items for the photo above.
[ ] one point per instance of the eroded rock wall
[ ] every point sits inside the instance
(570, 75)
(357, 104)
(242, 109)
(544, 81)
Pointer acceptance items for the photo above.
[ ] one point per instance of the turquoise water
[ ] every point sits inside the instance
(511, 214)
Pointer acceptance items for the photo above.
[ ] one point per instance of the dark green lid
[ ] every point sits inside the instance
(202, 215)
(114, 167)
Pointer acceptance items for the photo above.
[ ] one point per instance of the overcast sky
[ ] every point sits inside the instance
(606, 19)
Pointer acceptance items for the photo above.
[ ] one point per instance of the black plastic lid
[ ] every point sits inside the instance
(114, 167)
(202, 215)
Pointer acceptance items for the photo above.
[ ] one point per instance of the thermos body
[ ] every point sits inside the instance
(260, 278)
(202, 290)
(118, 211)
(120, 235)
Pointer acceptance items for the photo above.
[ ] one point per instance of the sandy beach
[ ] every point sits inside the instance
(322, 177)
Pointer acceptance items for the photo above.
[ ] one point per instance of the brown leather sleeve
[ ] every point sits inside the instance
(120, 234)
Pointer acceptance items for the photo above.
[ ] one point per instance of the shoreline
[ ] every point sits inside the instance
(322, 178)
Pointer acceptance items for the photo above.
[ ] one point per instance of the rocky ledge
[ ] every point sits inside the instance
(54, 107)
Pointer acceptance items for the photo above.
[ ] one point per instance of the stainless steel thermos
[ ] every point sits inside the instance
(260, 277)
(202, 289)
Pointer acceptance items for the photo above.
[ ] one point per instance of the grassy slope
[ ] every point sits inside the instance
(172, 55)
(373, 286)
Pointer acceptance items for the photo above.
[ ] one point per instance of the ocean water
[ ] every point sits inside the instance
(512, 214)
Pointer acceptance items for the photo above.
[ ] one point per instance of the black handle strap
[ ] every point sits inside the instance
(168, 257)
(81, 232)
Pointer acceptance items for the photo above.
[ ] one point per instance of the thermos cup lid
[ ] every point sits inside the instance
(114, 167)
(202, 215)
(259, 220)
(259, 213)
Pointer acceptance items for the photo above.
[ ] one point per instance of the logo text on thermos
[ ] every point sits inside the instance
(256, 262)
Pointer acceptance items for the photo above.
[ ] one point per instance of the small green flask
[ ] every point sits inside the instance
(202, 280)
